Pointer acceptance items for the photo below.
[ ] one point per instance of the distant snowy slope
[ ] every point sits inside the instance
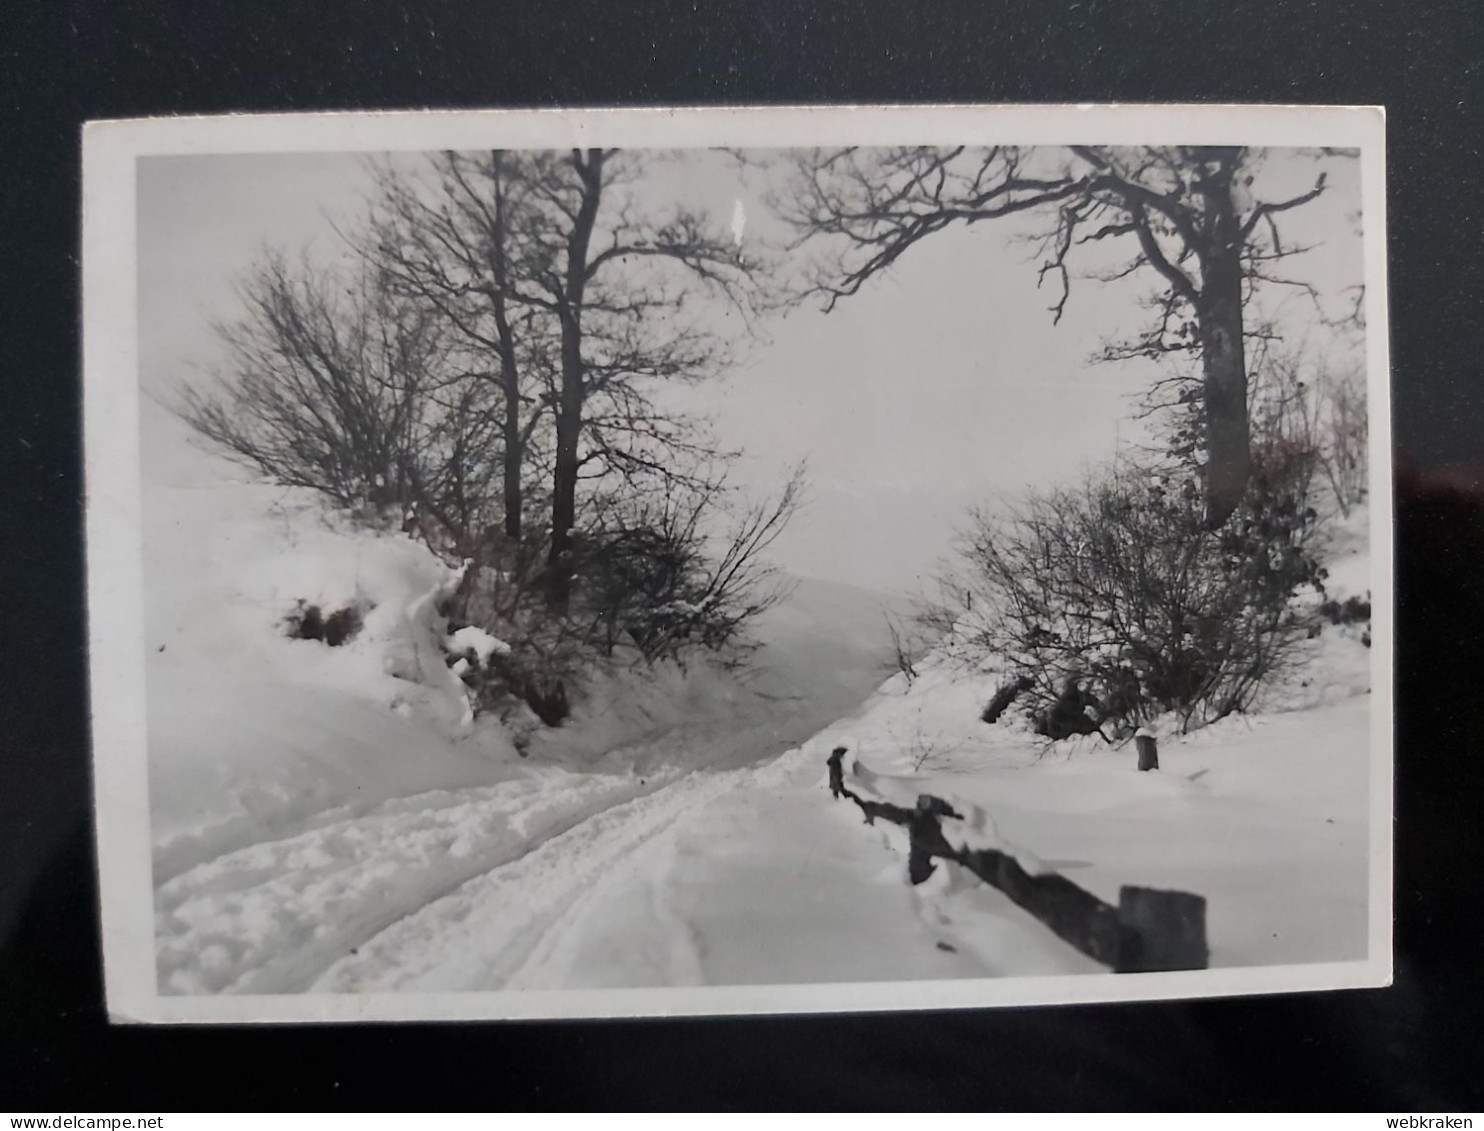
(827, 640)
(824, 650)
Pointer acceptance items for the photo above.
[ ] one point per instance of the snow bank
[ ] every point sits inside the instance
(251, 732)
(229, 563)
(1335, 665)
(1266, 815)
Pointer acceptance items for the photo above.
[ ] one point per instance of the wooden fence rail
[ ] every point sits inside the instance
(1149, 929)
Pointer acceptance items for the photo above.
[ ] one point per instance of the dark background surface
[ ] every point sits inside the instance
(1415, 1046)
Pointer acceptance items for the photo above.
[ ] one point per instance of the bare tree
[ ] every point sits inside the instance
(1187, 212)
(619, 276)
(1344, 434)
(457, 240)
(491, 367)
(904, 654)
(739, 583)
(335, 383)
(1307, 417)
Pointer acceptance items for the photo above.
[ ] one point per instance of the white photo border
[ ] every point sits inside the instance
(115, 591)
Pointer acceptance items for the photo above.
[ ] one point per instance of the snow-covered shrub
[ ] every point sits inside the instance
(1119, 604)
(474, 645)
(533, 673)
(652, 582)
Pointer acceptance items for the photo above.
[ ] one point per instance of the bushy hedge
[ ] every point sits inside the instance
(1118, 603)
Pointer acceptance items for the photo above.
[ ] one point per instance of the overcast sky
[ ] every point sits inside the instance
(942, 384)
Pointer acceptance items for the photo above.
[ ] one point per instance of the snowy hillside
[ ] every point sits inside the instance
(252, 733)
(333, 818)
(294, 784)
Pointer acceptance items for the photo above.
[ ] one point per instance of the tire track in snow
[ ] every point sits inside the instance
(503, 929)
(272, 917)
(628, 920)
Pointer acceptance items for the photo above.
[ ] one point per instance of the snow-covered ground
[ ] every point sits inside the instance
(331, 819)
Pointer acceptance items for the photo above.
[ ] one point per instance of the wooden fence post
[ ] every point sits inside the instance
(925, 837)
(837, 772)
(1150, 929)
(1160, 930)
(1148, 751)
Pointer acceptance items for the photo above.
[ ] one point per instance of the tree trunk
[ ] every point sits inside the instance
(514, 456)
(1223, 358)
(1228, 441)
(564, 476)
(514, 439)
(589, 167)
(514, 503)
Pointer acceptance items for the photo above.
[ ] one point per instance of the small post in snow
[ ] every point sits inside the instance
(837, 772)
(1148, 751)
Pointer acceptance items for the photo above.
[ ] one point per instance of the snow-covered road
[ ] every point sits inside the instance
(706, 877)
(331, 819)
(474, 888)
(750, 874)
(271, 917)
(509, 927)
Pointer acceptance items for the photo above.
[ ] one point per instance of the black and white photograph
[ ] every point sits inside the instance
(583, 564)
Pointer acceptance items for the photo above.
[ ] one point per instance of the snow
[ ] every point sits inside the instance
(253, 734)
(271, 916)
(475, 640)
(305, 797)
(824, 650)
(1267, 818)
(333, 820)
